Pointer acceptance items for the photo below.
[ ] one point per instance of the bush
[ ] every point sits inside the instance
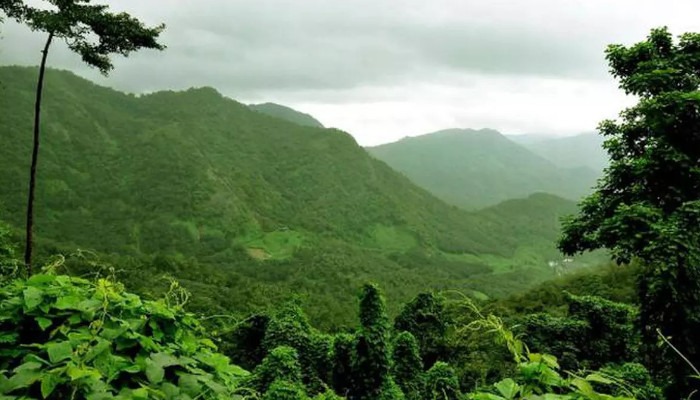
(408, 367)
(442, 382)
(282, 364)
(284, 390)
(68, 337)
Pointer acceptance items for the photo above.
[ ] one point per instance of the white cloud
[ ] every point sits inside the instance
(384, 69)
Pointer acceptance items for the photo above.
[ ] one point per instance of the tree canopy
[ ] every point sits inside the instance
(647, 205)
(90, 30)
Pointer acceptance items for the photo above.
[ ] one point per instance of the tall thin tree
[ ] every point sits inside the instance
(91, 31)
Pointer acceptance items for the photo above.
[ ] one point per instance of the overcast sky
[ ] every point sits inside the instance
(385, 69)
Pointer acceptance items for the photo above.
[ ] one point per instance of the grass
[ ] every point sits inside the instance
(390, 238)
(277, 245)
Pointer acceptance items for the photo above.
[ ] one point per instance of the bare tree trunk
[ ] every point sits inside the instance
(35, 156)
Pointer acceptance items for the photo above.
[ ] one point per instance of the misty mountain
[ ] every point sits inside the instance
(582, 150)
(477, 168)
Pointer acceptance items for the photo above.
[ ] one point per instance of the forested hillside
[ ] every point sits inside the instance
(286, 113)
(478, 168)
(211, 185)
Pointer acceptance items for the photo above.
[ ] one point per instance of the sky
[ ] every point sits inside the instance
(385, 69)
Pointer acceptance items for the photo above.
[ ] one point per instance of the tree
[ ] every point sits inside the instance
(442, 382)
(371, 366)
(425, 318)
(646, 207)
(92, 32)
(408, 366)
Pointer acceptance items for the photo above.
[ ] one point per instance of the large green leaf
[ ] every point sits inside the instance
(154, 372)
(48, 384)
(32, 297)
(508, 388)
(59, 351)
(43, 322)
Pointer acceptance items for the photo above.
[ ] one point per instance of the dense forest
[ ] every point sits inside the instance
(183, 245)
(169, 197)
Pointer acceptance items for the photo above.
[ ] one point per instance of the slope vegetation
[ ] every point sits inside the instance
(245, 208)
(478, 168)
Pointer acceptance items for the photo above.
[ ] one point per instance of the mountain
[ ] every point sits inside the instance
(584, 150)
(286, 113)
(477, 168)
(244, 209)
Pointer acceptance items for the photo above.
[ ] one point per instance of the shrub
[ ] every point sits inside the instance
(68, 337)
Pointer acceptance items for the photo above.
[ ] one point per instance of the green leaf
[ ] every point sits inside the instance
(486, 396)
(32, 297)
(508, 388)
(154, 372)
(101, 346)
(8, 337)
(40, 279)
(28, 366)
(140, 394)
(59, 351)
(43, 322)
(48, 384)
(599, 379)
(68, 302)
(23, 379)
(25, 375)
(75, 372)
(165, 359)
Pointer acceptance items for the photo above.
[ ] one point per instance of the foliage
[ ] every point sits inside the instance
(637, 380)
(286, 113)
(371, 364)
(536, 373)
(244, 343)
(284, 390)
(89, 30)
(647, 204)
(425, 318)
(168, 198)
(342, 363)
(594, 333)
(407, 368)
(7, 248)
(281, 364)
(442, 383)
(66, 337)
(390, 391)
(290, 327)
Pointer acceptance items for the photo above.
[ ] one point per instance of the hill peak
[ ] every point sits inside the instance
(286, 113)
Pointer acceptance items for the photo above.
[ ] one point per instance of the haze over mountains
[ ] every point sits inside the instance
(582, 150)
(477, 168)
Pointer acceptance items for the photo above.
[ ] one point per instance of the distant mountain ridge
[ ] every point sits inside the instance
(287, 114)
(477, 168)
(582, 150)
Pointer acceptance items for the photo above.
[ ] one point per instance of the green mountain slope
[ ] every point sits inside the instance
(243, 208)
(286, 113)
(583, 150)
(478, 168)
